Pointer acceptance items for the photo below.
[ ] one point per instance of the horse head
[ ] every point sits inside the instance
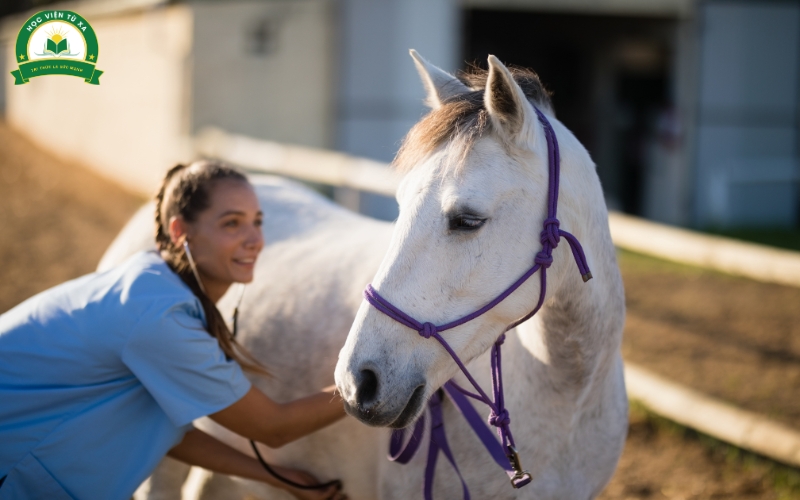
(472, 206)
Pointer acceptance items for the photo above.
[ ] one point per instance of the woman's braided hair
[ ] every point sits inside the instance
(185, 192)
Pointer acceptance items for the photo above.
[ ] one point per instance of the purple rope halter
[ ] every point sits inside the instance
(506, 455)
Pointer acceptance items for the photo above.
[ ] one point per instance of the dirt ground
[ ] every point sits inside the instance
(731, 338)
(56, 219)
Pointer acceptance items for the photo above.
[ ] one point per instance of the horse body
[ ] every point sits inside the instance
(563, 371)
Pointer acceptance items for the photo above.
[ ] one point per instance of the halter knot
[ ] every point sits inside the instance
(428, 329)
(550, 233)
(543, 259)
(500, 340)
(501, 419)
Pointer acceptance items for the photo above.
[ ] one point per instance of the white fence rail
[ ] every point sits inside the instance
(758, 262)
(308, 164)
(711, 416)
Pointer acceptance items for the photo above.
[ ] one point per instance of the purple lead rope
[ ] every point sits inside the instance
(504, 454)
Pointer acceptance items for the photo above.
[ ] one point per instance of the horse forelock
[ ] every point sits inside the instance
(462, 119)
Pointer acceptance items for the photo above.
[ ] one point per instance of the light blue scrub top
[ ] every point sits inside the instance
(100, 377)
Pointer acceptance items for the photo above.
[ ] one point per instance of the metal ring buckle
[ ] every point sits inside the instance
(513, 457)
(521, 475)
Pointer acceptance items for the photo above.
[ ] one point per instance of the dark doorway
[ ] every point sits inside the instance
(610, 77)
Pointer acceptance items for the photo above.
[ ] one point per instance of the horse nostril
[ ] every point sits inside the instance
(367, 388)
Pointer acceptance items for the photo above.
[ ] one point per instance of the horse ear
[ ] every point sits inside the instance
(511, 113)
(439, 84)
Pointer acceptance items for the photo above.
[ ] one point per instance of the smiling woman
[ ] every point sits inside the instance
(208, 229)
(118, 364)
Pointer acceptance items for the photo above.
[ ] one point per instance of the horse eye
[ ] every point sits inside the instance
(466, 223)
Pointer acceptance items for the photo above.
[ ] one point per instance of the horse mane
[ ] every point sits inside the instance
(463, 117)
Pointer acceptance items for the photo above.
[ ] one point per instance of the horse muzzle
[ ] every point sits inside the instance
(372, 401)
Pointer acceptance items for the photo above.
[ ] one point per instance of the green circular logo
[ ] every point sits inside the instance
(56, 42)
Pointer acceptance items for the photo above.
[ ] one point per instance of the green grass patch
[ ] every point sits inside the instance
(637, 263)
(788, 239)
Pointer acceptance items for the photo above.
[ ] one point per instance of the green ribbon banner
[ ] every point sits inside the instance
(70, 67)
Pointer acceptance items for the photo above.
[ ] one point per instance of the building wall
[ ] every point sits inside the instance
(669, 179)
(747, 171)
(380, 95)
(132, 126)
(337, 74)
(265, 69)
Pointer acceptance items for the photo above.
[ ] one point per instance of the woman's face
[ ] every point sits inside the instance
(226, 238)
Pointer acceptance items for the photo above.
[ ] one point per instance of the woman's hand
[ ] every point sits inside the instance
(198, 448)
(333, 492)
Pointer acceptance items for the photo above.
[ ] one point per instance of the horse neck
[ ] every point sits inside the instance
(576, 335)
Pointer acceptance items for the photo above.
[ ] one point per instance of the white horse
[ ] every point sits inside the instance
(563, 371)
(472, 206)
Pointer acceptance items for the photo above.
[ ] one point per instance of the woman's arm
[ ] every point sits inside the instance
(257, 417)
(202, 450)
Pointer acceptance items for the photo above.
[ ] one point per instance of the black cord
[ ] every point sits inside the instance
(289, 481)
(235, 321)
(264, 463)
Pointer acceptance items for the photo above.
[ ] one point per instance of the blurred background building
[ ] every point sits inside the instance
(690, 108)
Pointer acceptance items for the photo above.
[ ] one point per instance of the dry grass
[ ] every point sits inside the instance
(732, 338)
(56, 220)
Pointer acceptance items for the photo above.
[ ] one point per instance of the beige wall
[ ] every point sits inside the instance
(283, 93)
(171, 70)
(132, 126)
